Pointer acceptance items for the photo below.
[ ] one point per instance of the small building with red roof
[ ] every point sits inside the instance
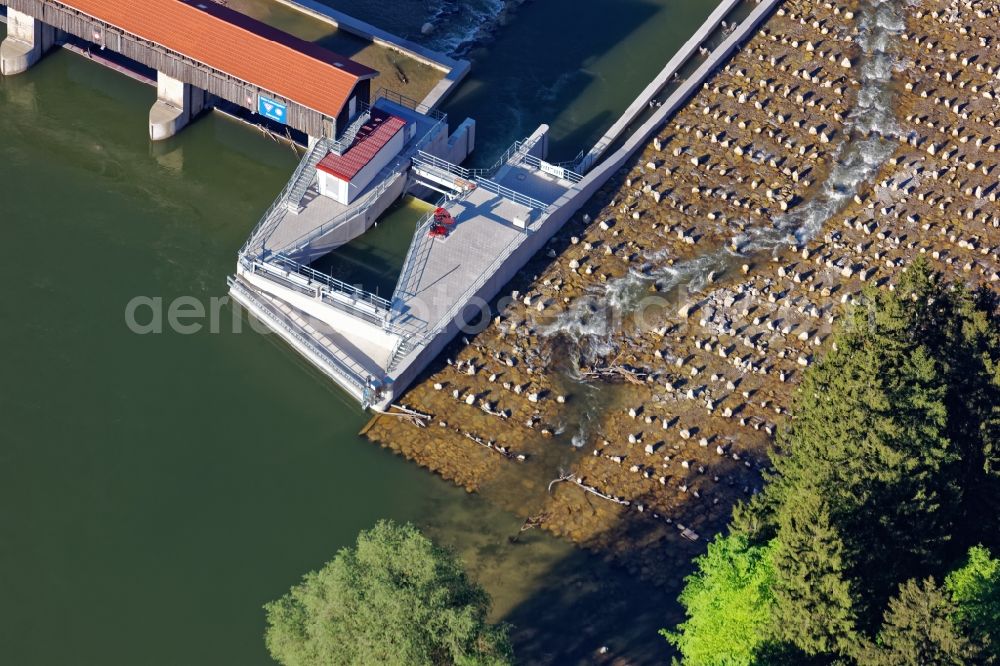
(342, 177)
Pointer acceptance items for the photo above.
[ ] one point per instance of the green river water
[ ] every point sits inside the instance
(156, 490)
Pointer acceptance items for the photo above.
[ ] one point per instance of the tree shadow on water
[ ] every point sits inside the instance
(589, 602)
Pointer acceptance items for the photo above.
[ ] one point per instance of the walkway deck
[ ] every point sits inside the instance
(533, 183)
(441, 270)
(339, 223)
(319, 215)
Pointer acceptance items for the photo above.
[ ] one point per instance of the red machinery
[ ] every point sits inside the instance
(442, 216)
(442, 221)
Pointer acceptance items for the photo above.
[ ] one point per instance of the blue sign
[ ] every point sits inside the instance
(271, 109)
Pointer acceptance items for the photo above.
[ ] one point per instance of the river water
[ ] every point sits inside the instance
(157, 489)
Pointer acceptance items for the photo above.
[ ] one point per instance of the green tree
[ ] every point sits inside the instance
(919, 631)
(897, 426)
(961, 332)
(871, 436)
(393, 598)
(888, 471)
(728, 602)
(814, 603)
(975, 591)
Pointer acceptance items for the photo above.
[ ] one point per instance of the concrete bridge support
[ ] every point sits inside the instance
(27, 40)
(461, 143)
(176, 105)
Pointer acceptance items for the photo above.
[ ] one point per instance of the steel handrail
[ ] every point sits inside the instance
(409, 103)
(426, 158)
(360, 208)
(442, 323)
(393, 171)
(567, 174)
(419, 238)
(282, 200)
(354, 292)
(507, 193)
(335, 364)
(326, 289)
(345, 141)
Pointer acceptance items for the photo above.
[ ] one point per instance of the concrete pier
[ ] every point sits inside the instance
(176, 105)
(27, 41)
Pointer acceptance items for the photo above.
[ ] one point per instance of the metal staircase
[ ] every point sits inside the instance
(306, 176)
(413, 264)
(346, 139)
(403, 348)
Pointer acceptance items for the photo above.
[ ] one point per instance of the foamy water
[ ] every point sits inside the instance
(872, 136)
(459, 25)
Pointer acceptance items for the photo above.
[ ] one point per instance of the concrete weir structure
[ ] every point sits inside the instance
(488, 224)
(202, 51)
(497, 220)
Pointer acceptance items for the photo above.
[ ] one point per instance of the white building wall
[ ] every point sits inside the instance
(343, 192)
(333, 187)
(379, 162)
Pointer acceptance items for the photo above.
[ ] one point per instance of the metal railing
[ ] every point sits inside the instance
(306, 176)
(351, 299)
(326, 294)
(414, 340)
(507, 193)
(397, 351)
(422, 158)
(557, 170)
(386, 178)
(514, 154)
(504, 159)
(346, 139)
(334, 364)
(351, 291)
(420, 240)
(362, 206)
(280, 204)
(276, 212)
(409, 103)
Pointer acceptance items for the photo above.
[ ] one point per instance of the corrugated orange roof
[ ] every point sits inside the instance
(239, 46)
(371, 139)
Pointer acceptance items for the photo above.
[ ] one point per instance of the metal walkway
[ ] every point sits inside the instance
(436, 173)
(292, 326)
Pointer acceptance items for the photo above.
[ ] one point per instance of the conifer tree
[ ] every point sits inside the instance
(919, 630)
(961, 332)
(888, 471)
(869, 436)
(814, 604)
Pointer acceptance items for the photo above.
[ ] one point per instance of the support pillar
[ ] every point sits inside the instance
(27, 41)
(539, 142)
(177, 103)
(462, 142)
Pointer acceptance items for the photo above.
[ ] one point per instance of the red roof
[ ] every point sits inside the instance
(371, 138)
(238, 45)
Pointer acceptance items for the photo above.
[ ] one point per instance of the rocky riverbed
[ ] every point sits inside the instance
(647, 358)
